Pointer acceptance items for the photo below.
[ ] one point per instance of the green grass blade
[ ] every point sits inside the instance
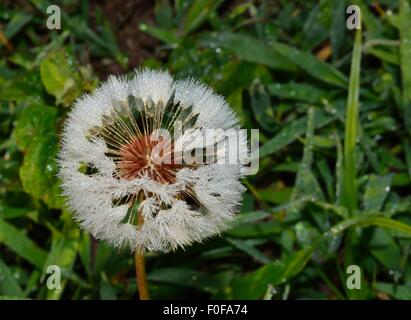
(253, 50)
(306, 183)
(63, 253)
(367, 221)
(18, 242)
(253, 285)
(18, 22)
(337, 33)
(339, 170)
(277, 55)
(386, 223)
(249, 249)
(405, 58)
(407, 150)
(401, 292)
(163, 35)
(313, 66)
(8, 284)
(376, 192)
(293, 131)
(298, 91)
(185, 277)
(351, 128)
(198, 13)
(372, 23)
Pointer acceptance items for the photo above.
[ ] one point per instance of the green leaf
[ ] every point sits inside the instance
(366, 221)
(103, 43)
(107, 291)
(332, 208)
(237, 76)
(7, 212)
(316, 25)
(60, 77)
(26, 88)
(247, 217)
(407, 149)
(33, 283)
(252, 50)
(385, 249)
(84, 252)
(261, 106)
(17, 22)
(292, 132)
(369, 147)
(370, 20)
(376, 191)
(8, 284)
(349, 198)
(256, 230)
(339, 170)
(185, 277)
(402, 292)
(253, 285)
(313, 66)
(17, 241)
(63, 253)
(386, 223)
(164, 13)
(11, 298)
(390, 56)
(36, 136)
(166, 36)
(298, 91)
(273, 195)
(198, 13)
(328, 178)
(337, 33)
(34, 122)
(38, 172)
(249, 249)
(279, 56)
(306, 183)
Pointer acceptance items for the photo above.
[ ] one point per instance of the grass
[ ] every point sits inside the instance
(352, 128)
(335, 152)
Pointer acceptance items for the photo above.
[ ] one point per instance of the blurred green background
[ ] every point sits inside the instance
(332, 191)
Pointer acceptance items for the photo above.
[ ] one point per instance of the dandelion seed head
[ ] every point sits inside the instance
(112, 170)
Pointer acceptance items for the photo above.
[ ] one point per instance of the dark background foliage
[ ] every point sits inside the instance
(284, 66)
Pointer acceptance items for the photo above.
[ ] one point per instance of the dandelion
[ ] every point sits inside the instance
(113, 169)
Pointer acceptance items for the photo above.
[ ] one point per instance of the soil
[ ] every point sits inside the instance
(125, 17)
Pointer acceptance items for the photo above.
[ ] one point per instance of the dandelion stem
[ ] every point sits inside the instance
(141, 268)
(141, 276)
